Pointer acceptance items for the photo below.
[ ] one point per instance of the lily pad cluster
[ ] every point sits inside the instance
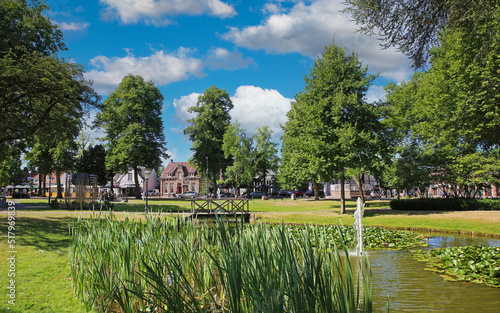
(476, 264)
(373, 237)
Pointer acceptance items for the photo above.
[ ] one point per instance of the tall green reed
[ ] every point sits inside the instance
(168, 265)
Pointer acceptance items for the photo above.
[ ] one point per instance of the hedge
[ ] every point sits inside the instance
(450, 204)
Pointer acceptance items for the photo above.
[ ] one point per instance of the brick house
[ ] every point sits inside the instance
(177, 178)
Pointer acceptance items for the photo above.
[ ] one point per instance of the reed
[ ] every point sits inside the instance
(165, 265)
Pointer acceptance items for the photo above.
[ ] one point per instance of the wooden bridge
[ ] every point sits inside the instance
(237, 209)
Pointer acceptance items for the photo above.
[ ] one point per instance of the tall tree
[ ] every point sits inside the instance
(207, 129)
(265, 153)
(10, 168)
(35, 85)
(131, 118)
(330, 127)
(93, 161)
(238, 148)
(413, 26)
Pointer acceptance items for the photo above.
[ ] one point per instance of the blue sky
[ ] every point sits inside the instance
(258, 51)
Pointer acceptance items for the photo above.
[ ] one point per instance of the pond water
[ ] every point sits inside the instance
(411, 288)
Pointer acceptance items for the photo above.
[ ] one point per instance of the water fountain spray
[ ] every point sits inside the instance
(358, 215)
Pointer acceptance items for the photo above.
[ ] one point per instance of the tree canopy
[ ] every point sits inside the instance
(414, 26)
(35, 85)
(206, 131)
(331, 128)
(131, 118)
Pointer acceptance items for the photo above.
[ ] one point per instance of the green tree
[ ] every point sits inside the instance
(414, 26)
(131, 118)
(265, 154)
(206, 131)
(331, 128)
(10, 168)
(93, 161)
(35, 85)
(238, 148)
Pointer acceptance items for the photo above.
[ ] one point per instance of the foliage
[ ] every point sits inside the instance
(330, 127)
(373, 237)
(131, 118)
(414, 26)
(238, 147)
(10, 168)
(439, 204)
(265, 154)
(211, 269)
(448, 117)
(206, 131)
(472, 263)
(93, 161)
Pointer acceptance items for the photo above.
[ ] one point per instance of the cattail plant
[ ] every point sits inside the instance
(168, 265)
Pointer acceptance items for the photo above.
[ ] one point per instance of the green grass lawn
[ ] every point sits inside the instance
(43, 272)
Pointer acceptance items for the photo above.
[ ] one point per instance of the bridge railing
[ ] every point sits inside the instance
(220, 206)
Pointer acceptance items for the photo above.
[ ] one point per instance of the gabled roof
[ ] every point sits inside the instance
(173, 166)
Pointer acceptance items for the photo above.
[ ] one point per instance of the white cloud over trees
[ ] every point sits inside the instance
(308, 28)
(157, 12)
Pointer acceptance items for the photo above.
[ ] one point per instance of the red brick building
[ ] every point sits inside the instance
(177, 178)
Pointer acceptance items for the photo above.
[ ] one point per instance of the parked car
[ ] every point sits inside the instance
(257, 194)
(284, 193)
(227, 195)
(187, 194)
(153, 193)
(298, 193)
(310, 193)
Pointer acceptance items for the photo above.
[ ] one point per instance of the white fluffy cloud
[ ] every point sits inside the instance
(73, 26)
(156, 11)
(307, 28)
(375, 93)
(160, 67)
(254, 107)
(221, 58)
(182, 105)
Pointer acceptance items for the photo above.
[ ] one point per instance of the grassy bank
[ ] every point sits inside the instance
(43, 281)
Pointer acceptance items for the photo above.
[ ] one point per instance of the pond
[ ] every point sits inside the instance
(411, 288)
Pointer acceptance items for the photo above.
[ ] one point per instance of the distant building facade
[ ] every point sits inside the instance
(179, 177)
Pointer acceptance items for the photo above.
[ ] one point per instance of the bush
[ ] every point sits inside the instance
(54, 204)
(453, 204)
(16, 195)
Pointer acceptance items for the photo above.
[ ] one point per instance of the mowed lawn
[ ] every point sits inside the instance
(43, 282)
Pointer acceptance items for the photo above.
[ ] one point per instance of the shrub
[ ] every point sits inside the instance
(453, 204)
(54, 204)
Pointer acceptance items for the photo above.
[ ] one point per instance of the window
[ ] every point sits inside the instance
(129, 177)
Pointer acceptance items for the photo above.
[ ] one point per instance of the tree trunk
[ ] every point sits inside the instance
(58, 182)
(112, 183)
(316, 190)
(342, 194)
(357, 178)
(41, 186)
(137, 188)
(42, 190)
(397, 194)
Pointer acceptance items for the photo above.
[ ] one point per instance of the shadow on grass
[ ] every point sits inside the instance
(47, 233)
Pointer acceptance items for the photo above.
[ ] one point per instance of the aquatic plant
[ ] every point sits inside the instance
(477, 264)
(166, 265)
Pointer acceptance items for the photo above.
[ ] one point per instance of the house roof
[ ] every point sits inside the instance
(173, 166)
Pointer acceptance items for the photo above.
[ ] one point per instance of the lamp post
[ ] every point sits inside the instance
(147, 173)
(207, 177)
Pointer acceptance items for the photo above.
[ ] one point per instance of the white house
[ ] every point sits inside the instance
(125, 182)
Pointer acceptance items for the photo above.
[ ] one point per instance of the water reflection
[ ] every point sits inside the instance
(411, 288)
